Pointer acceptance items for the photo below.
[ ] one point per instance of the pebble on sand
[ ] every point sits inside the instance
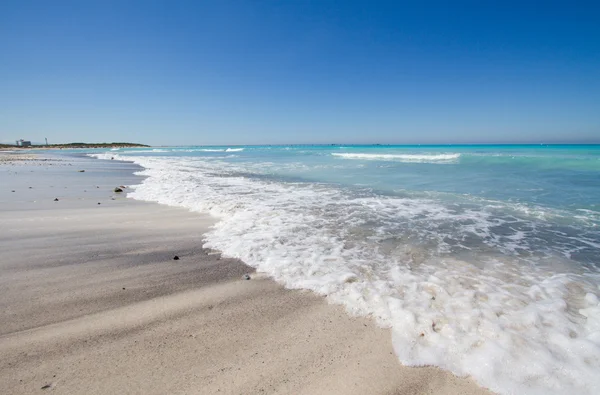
(175, 258)
(247, 277)
(117, 189)
(82, 171)
(56, 199)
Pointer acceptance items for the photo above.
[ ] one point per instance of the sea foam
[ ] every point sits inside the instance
(517, 326)
(415, 158)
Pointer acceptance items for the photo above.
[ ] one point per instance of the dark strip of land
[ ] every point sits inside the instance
(77, 145)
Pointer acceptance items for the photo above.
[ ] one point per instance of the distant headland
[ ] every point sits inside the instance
(75, 145)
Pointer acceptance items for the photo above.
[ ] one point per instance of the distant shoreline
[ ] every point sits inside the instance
(375, 145)
(77, 145)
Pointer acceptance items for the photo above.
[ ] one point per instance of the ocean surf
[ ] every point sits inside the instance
(482, 264)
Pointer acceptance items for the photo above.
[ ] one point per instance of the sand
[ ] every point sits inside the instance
(92, 302)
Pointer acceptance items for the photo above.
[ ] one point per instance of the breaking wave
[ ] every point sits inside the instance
(409, 158)
(480, 288)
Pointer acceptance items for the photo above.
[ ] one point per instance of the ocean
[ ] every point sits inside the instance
(482, 259)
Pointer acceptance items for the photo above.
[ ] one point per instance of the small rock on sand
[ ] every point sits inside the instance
(247, 277)
(118, 189)
(175, 258)
(82, 171)
(56, 199)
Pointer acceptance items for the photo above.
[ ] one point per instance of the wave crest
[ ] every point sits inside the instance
(408, 158)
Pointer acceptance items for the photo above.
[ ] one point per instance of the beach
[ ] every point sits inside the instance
(94, 302)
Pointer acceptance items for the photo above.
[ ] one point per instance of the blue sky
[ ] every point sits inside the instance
(244, 72)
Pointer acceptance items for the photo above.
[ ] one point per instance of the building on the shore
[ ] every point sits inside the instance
(23, 143)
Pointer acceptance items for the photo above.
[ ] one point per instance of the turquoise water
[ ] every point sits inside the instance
(558, 175)
(557, 185)
(481, 258)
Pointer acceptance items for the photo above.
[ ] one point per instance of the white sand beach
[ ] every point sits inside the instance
(92, 302)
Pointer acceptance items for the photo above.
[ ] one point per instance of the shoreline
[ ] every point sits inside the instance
(93, 302)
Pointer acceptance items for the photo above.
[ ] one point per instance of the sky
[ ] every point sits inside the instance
(292, 72)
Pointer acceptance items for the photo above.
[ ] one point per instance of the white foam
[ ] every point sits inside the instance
(146, 151)
(234, 149)
(409, 158)
(514, 326)
(199, 150)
